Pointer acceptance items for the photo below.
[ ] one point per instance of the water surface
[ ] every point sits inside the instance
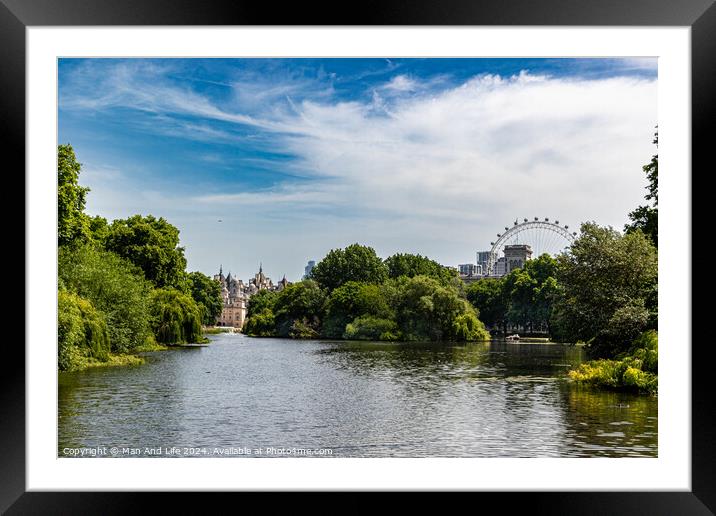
(243, 396)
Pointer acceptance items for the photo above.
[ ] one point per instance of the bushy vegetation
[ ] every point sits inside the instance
(634, 370)
(122, 286)
(176, 318)
(81, 331)
(115, 287)
(409, 306)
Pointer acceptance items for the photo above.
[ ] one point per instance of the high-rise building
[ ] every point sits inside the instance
(309, 267)
(482, 258)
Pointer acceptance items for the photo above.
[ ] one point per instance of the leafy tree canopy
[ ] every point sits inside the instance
(608, 283)
(153, 245)
(354, 263)
(207, 294)
(412, 265)
(72, 223)
(115, 287)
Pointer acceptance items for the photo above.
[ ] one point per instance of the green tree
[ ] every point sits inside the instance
(531, 291)
(351, 300)
(646, 218)
(608, 282)
(261, 301)
(412, 265)
(81, 332)
(72, 223)
(489, 298)
(354, 263)
(427, 310)
(207, 294)
(176, 318)
(115, 287)
(298, 308)
(153, 245)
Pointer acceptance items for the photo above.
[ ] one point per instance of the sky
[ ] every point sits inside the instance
(277, 161)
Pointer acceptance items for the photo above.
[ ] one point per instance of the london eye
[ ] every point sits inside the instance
(542, 235)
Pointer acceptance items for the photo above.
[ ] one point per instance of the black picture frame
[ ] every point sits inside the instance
(17, 15)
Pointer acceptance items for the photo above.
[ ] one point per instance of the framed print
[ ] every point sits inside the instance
(414, 250)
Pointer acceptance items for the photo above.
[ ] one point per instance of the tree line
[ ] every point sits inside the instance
(122, 286)
(354, 294)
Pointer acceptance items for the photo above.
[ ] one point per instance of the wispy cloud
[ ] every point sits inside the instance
(419, 165)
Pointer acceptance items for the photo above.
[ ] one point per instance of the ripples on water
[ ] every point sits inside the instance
(358, 399)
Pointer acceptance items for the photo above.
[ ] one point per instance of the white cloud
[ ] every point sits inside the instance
(435, 171)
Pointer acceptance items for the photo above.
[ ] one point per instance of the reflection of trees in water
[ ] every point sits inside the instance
(611, 423)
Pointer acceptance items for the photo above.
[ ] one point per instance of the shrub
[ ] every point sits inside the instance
(82, 332)
(368, 327)
(176, 318)
(115, 287)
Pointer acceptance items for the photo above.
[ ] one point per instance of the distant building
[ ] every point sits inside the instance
(482, 258)
(468, 269)
(516, 256)
(235, 295)
(500, 267)
(309, 267)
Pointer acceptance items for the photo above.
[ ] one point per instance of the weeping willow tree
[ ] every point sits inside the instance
(176, 318)
(82, 332)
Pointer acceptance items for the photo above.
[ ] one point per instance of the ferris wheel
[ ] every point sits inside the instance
(542, 235)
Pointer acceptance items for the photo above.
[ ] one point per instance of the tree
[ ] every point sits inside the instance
(81, 332)
(176, 318)
(412, 265)
(489, 298)
(72, 223)
(354, 263)
(351, 300)
(646, 218)
(153, 245)
(608, 283)
(531, 291)
(207, 294)
(115, 287)
(427, 310)
(298, 308)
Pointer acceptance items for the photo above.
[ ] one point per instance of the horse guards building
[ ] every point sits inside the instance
(235, 294)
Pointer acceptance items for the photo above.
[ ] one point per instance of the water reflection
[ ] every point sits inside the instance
(360, 399)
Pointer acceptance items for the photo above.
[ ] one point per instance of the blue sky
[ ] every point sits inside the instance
(298, 156)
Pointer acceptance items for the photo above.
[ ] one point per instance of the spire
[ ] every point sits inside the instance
(221, 270)
(260, 267)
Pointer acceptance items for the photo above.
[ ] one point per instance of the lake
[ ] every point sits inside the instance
(263, 397)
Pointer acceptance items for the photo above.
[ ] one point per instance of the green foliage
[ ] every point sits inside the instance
(349, 301)
(608, 284)
(207, 294)
(82, 332)
(260, 302)
(531, 292)
(412, 265)
(427, 310)
(369, 327)
(99, 230)
(115, 287)
(646, 218)
(303, 302)
(176, 318)
(72, 223)
(489, 298)
(260, 324)
(354, 263)
(153, 245)
(635, 370)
